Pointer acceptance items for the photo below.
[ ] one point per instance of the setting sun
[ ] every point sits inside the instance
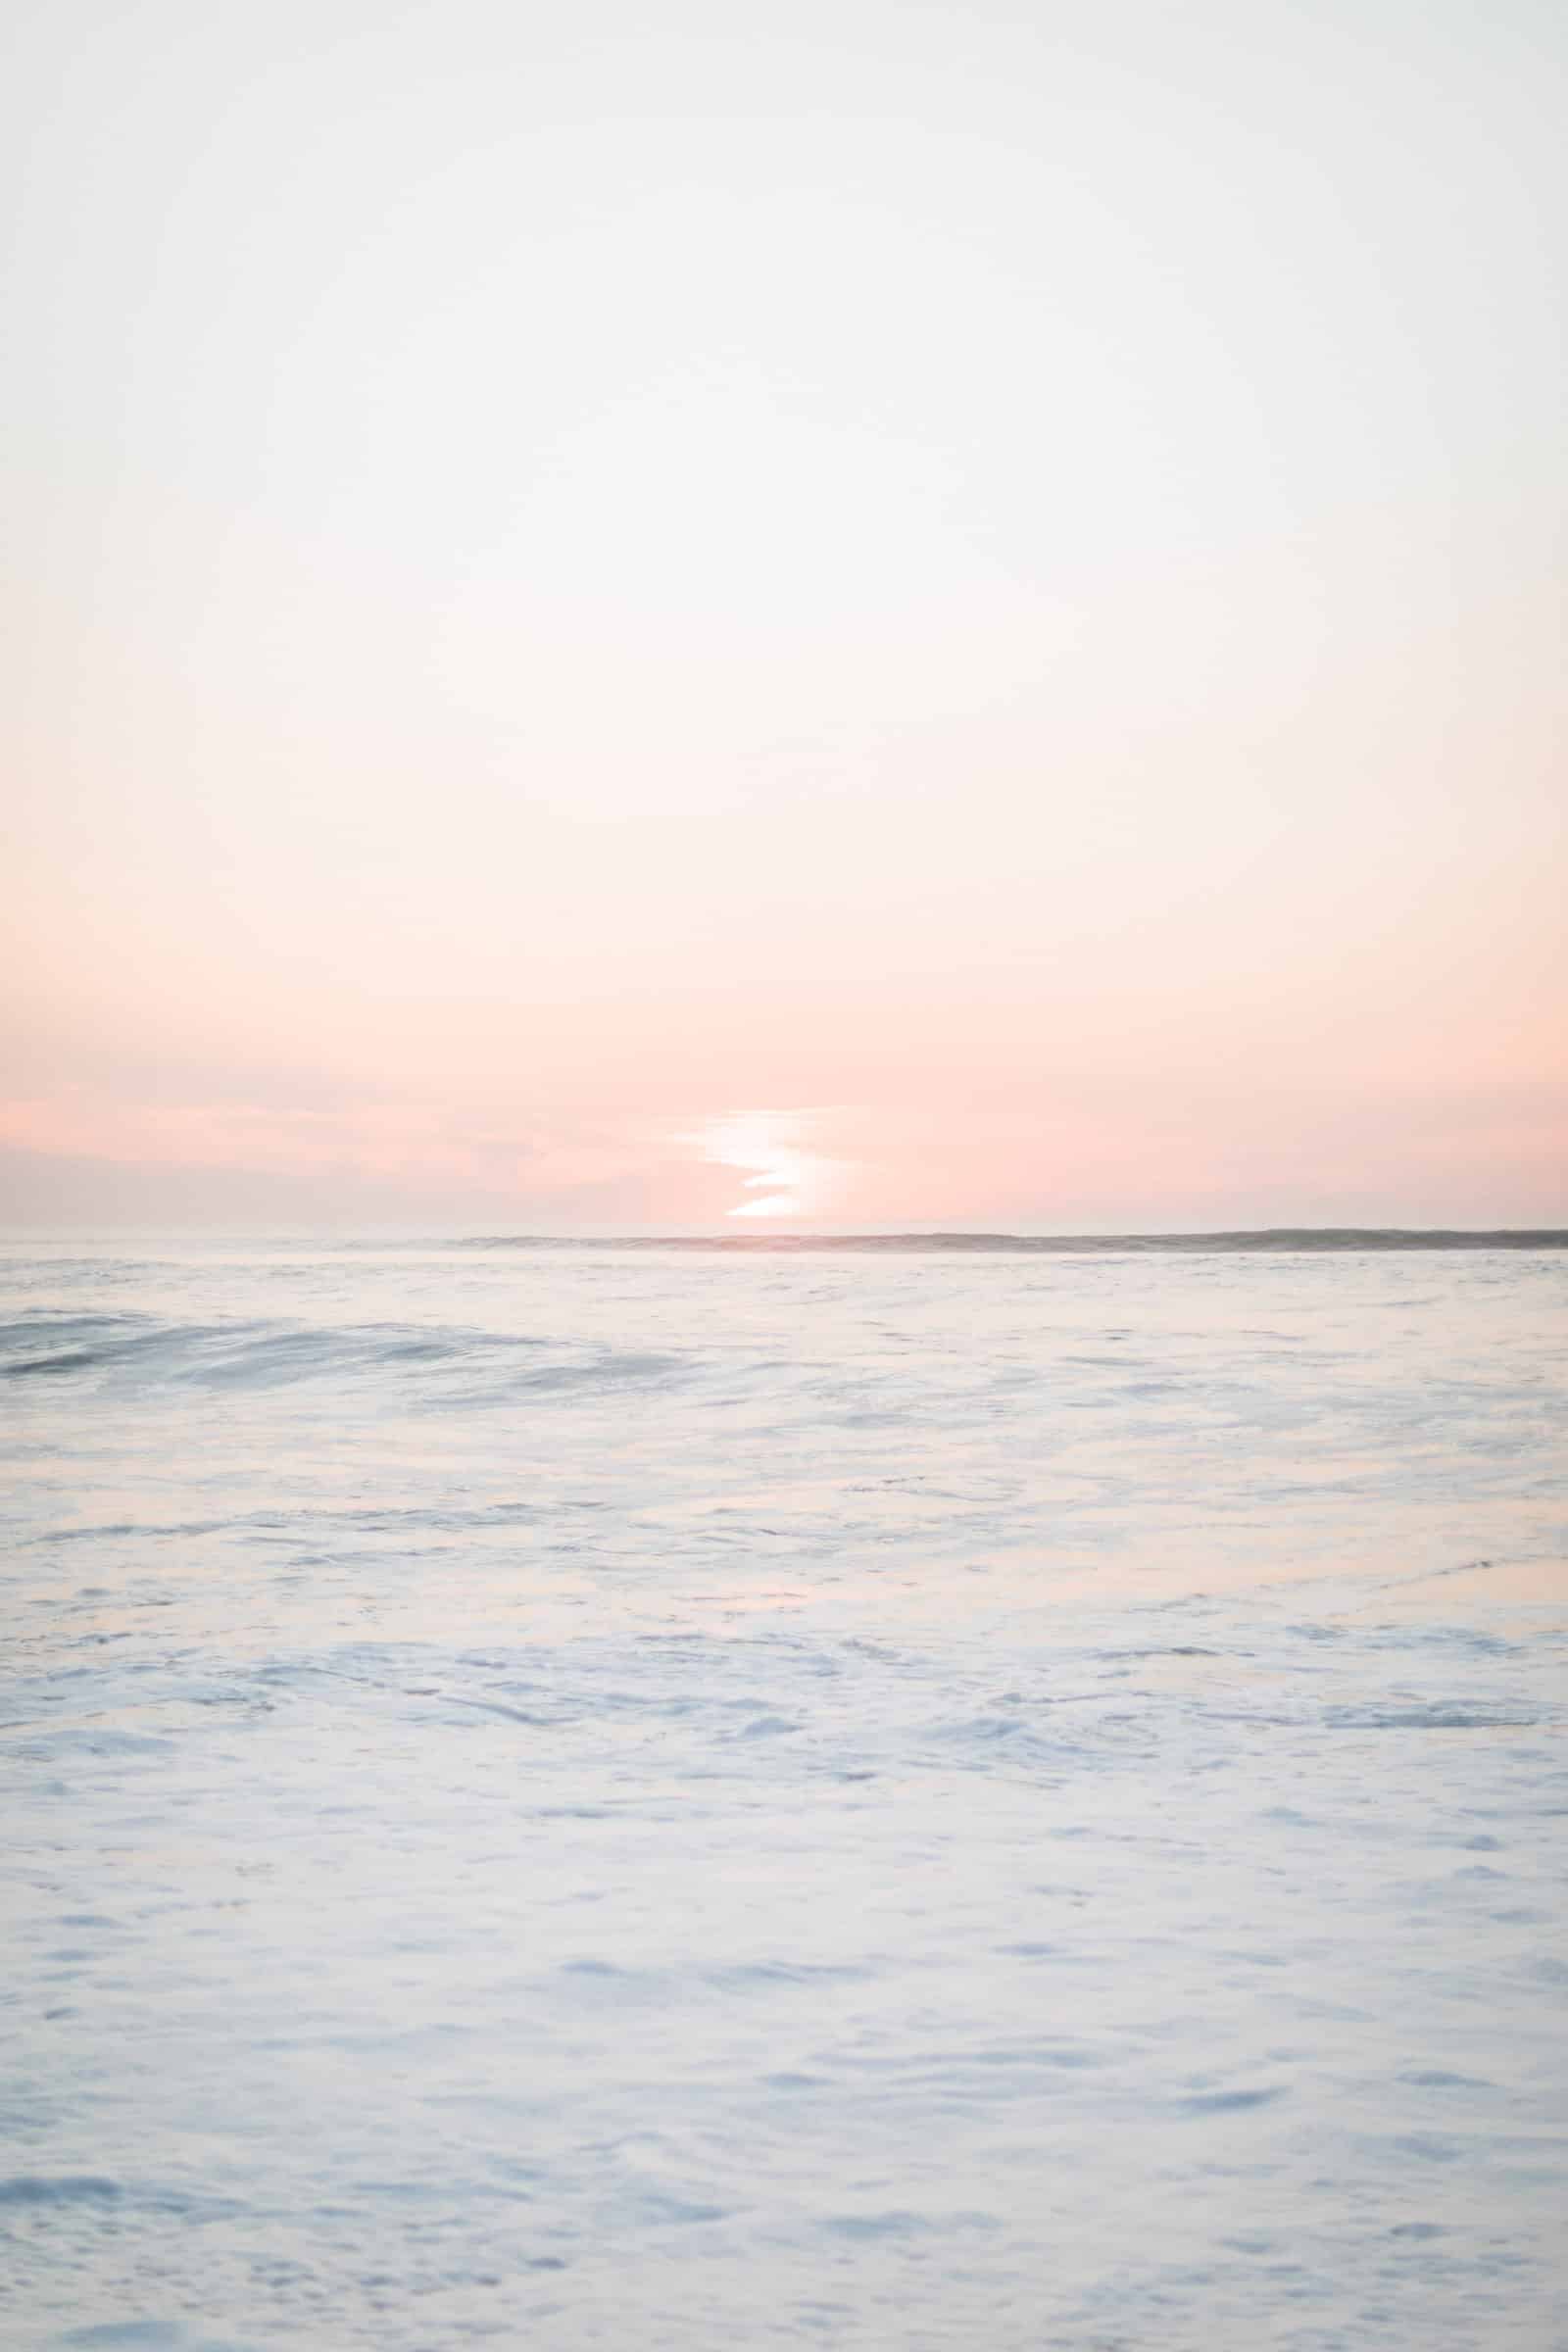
(773, 1204)
(789, 1180)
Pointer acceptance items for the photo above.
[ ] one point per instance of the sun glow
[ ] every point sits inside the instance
(789, 1180)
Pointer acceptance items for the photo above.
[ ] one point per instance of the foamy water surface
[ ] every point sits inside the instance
(692, 1799)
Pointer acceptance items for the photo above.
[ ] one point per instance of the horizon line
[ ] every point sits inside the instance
(1263, 1237)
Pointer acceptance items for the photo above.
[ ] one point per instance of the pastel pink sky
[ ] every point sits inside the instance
(862, 616)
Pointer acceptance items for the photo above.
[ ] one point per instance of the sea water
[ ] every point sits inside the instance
(576, 1797)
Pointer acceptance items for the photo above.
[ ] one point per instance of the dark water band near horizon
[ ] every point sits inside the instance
(884, 1791)
(1276, 1238)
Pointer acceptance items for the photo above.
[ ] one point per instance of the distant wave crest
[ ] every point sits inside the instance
(1278, 1238)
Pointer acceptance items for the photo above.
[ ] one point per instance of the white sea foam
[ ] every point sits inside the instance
(680, 1799)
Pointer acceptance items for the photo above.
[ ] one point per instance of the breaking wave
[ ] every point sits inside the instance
(266, 1354)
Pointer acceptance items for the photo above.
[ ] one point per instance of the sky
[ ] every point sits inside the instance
(845, 617)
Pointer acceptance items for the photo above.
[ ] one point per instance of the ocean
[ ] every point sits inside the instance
(925, 1798)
